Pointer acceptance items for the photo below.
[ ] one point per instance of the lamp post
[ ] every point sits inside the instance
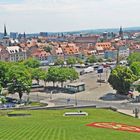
(51, 95)
(75, 100)
(136, 112)
(100, 71)
(117, 62)
(106, 74)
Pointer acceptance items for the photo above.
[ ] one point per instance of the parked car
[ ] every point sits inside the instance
(51, 64)
(101, 80)
(96, 66)
(80, 66)
(35, 85)
(87, 70)
(105, 65)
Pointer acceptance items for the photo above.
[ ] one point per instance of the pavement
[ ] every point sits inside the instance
(126, 112)
(49, 104)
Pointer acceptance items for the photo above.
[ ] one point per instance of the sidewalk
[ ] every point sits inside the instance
(50, 104)
(127, 112)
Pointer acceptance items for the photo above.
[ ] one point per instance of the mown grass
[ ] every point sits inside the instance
(51, 125)
(36, 104)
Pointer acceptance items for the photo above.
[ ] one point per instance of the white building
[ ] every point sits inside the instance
(12, 54)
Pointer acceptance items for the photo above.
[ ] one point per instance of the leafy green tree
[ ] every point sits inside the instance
(19, 80)
(79, 61)
(4, 69)
(71, 61)
(32, 63)
(121, 79)
(109, 60)
(3, 100)
(72, 74)
(59, 62)
(134, 57)
(91, 59)
(100, 60)
(47, 49)
(52, 75)
(67, 74)
(138, 88)
(0, 89)
(135, 67)
(63, 75)
(38, 74)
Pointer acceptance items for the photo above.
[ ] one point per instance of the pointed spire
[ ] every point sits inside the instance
(24, 35)
(5, 32)
(121, 32)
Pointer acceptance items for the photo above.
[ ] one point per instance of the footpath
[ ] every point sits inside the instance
(126, 112)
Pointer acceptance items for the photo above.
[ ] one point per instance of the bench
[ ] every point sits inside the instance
(75, 114)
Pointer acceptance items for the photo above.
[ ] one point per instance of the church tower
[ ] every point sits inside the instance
(5, 32)
(121, 33)
(24, 35)
(6, 39)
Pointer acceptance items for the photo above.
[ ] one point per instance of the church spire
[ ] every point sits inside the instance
(5, 32)
(24, 35)
(121, 33)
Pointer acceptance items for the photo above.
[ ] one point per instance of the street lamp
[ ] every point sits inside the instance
(100, 71)
(51, 94)
(75, 100)
(117, 62)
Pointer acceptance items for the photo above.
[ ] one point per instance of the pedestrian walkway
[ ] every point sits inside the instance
(50, 104)
(126, 112)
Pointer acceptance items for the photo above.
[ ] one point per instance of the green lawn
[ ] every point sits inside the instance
(51, 125)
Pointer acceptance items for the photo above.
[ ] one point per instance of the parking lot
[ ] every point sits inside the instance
(93, 89)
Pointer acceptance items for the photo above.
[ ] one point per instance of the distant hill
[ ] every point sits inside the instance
(99, 31)
(91, 31)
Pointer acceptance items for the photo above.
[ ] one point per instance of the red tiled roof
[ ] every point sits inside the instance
(40, 53)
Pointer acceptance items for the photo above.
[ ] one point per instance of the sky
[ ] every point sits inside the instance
(33, 16)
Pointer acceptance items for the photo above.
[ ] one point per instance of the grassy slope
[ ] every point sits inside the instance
(51, 125)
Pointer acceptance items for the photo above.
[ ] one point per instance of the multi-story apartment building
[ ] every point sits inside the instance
(12, 54)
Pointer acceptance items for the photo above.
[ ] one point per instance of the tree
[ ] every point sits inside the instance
(59, 62)
(79, 61)
(63, 75)
(19, 80)
(2, 100)
(47, 49)
(109, 60)
(32, 63)
(91, 59)
(4, 69)
(121, 79)
(100, 60)
(0, 89)
(135, 67)
(52, 75)
(72, 74)
(38, 74)
(134, 57)
(138, 88)
(67, 74)
(71, 61)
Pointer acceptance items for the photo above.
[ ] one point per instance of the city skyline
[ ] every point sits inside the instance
(67, 15)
